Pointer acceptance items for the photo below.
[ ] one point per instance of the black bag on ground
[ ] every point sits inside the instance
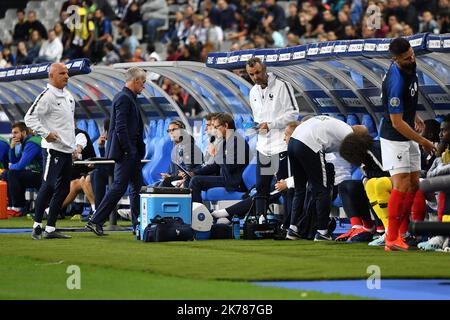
(221, 231)
(253, 230)
(168, 229)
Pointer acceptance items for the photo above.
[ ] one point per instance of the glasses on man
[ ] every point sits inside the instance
(218, 126)
(172, 130)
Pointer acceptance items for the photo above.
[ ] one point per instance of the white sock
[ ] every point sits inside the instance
(293, 227)
(323, 232)
(93, 207)
(370, 229)
(223, 221)
(222, 213)
(16, 209)
(36, 224)
(50, 229)
(356, 226)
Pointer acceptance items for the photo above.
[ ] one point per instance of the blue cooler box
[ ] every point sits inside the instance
(164, 202)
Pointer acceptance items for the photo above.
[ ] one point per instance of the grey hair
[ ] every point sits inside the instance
(133, 73)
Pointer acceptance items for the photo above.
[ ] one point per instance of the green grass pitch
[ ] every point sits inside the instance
(119, 267)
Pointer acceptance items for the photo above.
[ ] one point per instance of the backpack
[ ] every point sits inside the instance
(168, 229)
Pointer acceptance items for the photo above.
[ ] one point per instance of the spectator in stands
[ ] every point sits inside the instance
(350, 33)
(62, 32)
(292, 40)
(110, 56)
(22, 53)
(232, 157)
(138, 55)
(198, 29)
(176, 27)
(428, 23)
(69, 3)
(130, 40)
(273, 106)
(214, 34)
(103, 29)
(34, 46)
(277, 38)
(226, 20)
(21, 27)
(51, 49)
(444, 16)
(132, 14)
(185, 153)
(25, 169)
(80, 42)
(154, 15)
(195, 46)
(35, 25)
(172, 52)
(275, 14)
(330, 23)
(105, 7)
(8, 56)
(409, 14)
(209, 9)
(314, 22)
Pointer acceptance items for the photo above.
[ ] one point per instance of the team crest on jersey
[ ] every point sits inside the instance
(271, 96)
(394, 102)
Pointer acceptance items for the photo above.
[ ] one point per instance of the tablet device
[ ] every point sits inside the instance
(183, 169)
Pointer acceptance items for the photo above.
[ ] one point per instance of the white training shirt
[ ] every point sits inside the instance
(53, 111)
(277, 106)
(322, 133)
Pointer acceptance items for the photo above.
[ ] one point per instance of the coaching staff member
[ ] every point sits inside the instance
(399, 142)
(52, 117)
(273, 106)
(125, 146)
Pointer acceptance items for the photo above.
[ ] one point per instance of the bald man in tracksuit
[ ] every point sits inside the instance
(52, 117)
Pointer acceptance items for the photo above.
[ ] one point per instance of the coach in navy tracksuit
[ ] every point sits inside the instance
(126, 147)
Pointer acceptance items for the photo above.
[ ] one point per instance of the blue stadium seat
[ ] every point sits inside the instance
(352, 119)
(440, 118)
(151, 141)
(160, 161)
(357, 174)
(220, 193)
(82, 125)
(368, 122)
(238, 121)
(92, 130)
(340, 116)
(149, 145)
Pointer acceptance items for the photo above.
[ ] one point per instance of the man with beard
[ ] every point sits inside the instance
(399, 141)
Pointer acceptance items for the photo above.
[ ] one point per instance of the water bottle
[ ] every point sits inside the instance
(236, 227)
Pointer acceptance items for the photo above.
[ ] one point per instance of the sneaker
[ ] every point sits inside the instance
(432, 244)
(361, 235)
(14, 213)
(76, 217)
(125, 213)
(55, 235)
(36, 234)
(292, 235)
(223, 221)
(411, 240)
(347, 235)
(95, 228)
(398, 245)
(321, 237)
(379, 242)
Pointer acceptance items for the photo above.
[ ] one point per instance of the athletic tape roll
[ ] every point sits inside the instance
(202, 219)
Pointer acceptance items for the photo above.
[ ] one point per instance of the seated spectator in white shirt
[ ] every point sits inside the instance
(51, 50)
